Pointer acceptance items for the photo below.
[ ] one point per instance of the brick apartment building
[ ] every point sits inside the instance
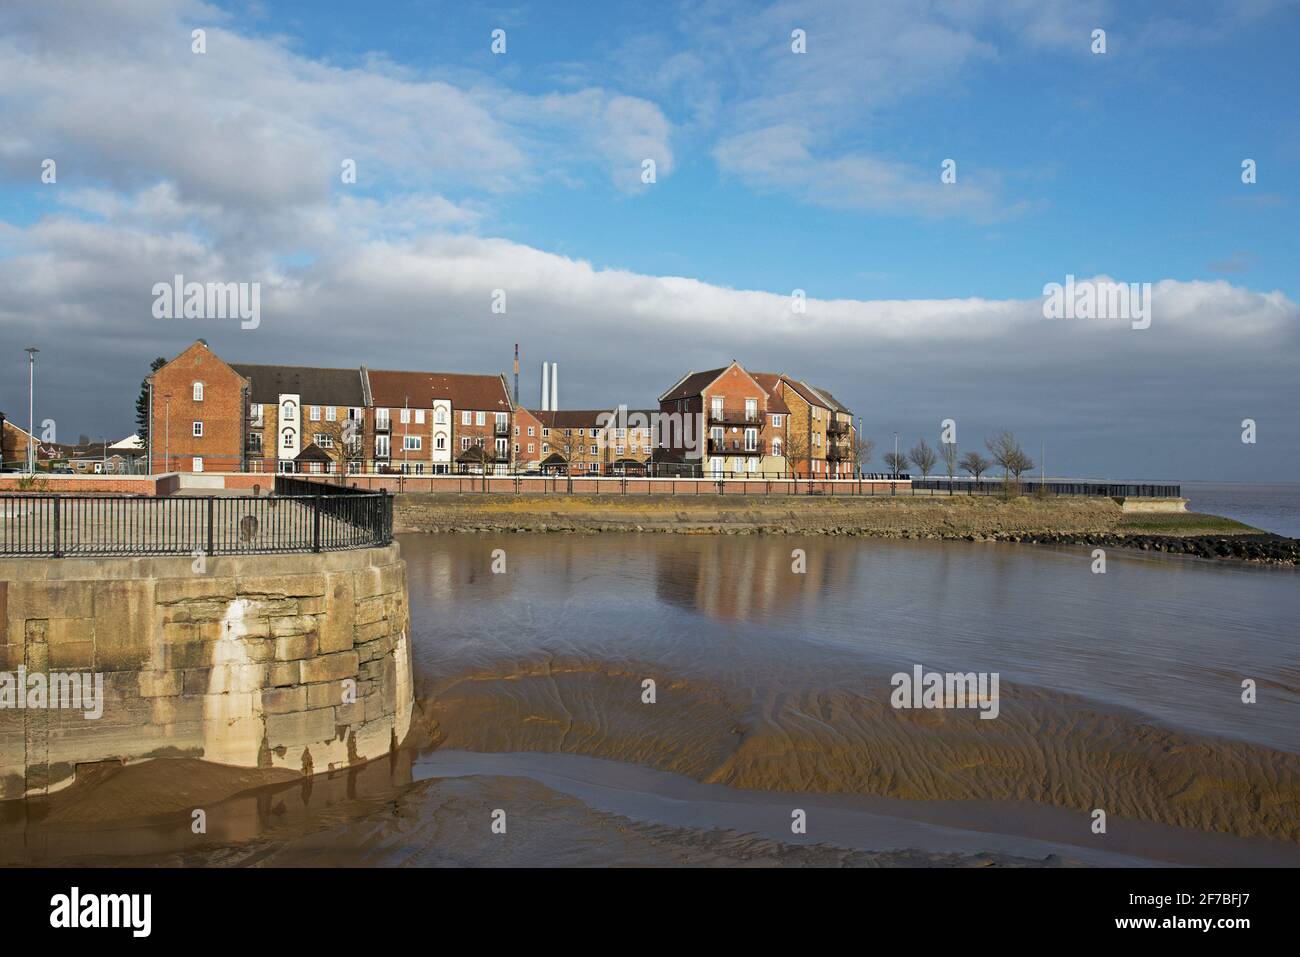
(208, 415)
(438, 422)
(197, 420)
(744, 423)
(292, 408)
(586, 441)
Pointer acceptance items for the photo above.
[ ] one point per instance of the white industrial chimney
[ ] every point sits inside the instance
(555, 387)
(546, 392)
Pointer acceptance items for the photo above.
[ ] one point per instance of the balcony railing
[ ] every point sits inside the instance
(836, 427)
(735, 447)
(736, 417)
(383, 425)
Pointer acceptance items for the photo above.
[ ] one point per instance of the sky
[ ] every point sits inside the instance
(797, 220)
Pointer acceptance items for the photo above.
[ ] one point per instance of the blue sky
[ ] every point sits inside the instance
(776, 171)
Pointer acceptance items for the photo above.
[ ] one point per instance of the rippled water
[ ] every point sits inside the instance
(1168, 638)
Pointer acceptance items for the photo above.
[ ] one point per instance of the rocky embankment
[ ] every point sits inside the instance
(1099, 522)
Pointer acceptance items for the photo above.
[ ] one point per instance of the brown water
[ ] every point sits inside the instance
(1119, 691)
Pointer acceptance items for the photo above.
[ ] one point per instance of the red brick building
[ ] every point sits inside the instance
(439, 422)
(197, 414)
(744, 427)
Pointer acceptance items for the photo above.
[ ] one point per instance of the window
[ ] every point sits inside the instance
(568, 433)
(331, 414)
(480, 418)
(517, 448)
(354, 414)
(531, 432)
(329, 467)
(440, 416)
(715, 404)
(620, 433)
(593, 450)
(419, 417)
(618, 450)
(323, 440)
(464, 442)
(546, 433)
(751, 409)
(406, 416)
(440, 441)
(412, 443)
(381, 418)
(381, 446)
(288, 410)
(817, 413)
(466, 417)
(315, 413)
(530, 448)
(198, 430)
(198, 392)
(354, 468)
(516, 431)
(546, 447)
(751, 440)
(198, 464)
(776, 446)
(287, 438)
(776, 421)
(255, 415)
(255, 442)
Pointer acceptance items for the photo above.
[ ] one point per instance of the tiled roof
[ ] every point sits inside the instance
(314, 386)
(393, 389)
(693, 384)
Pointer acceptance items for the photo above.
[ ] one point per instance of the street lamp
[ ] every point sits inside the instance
(167, 432)
(31, 418)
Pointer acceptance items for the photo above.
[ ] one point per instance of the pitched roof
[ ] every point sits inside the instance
(313, 385)
(770, 381)
(312, 453)
(693, 383)
(835, 403)
(806, 392)
(393, 389)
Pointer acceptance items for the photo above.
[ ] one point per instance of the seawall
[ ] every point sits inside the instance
(297, 661)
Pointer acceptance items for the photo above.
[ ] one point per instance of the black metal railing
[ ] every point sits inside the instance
(735, 447)
(736, 417)
(995, 486)
(322, 518)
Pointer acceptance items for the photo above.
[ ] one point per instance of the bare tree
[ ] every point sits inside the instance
(864, 447)
(1008, 455)
(342, 440)
(923, 457)
(948, 451)
(975, 464)
(896, 462)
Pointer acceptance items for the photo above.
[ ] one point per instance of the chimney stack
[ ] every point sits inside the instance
(546, 391)
(555, 387)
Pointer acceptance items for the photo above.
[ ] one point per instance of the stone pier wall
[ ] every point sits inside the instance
(293, 661)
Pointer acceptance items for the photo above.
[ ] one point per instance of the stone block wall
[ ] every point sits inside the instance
(297, 661)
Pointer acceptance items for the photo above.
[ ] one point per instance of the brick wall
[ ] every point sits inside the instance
(221, 411)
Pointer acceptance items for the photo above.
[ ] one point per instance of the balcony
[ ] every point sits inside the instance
(735, 446)
(383, 425)
(501, 429)
(736, 417)
(838, 427)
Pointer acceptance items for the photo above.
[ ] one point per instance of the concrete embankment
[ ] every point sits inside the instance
(296, 662)
(1055, 520)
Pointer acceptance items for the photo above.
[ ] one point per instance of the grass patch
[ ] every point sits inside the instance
(1182, 523)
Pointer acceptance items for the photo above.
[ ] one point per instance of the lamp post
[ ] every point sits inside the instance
(893, 486)
(167, 432)
(31, 405)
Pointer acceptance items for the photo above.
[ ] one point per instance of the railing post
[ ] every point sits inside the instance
(211, 506)
(58, 551)
(315, 533)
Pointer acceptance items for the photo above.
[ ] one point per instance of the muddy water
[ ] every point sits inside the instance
(1119, 692)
